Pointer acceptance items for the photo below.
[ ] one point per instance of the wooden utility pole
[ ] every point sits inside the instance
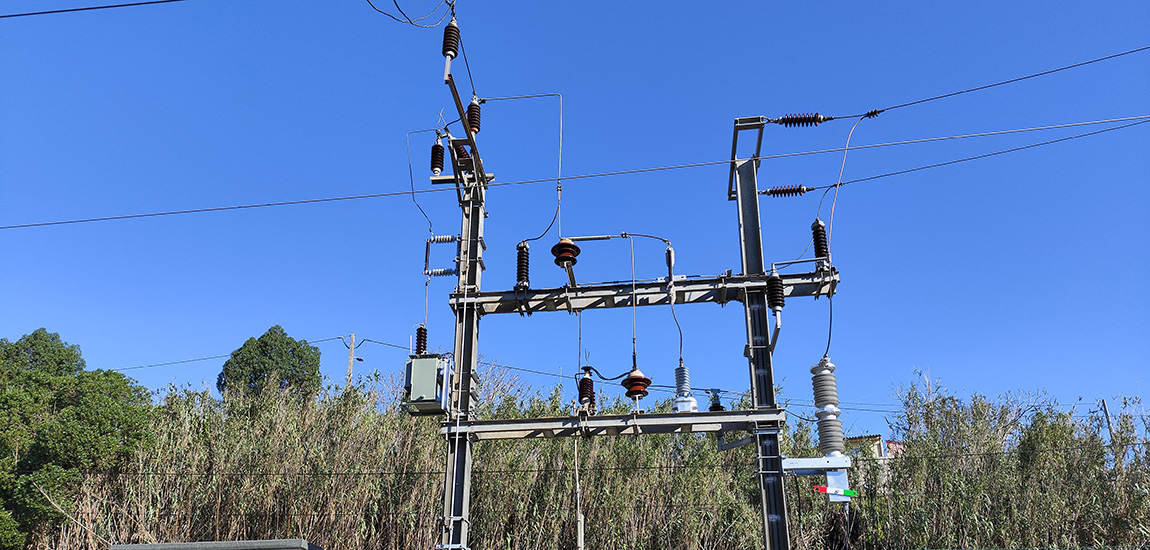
(1109, 426)
(350, 359)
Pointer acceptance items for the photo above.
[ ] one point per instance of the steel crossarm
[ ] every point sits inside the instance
(612, 425)
(686, 290)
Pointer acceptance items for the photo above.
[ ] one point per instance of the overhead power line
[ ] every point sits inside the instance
(89, 8)
(977, 157)
(1140, 118)
(198, 359)
(1019, 79)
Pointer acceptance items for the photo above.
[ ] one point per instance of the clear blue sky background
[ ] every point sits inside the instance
(1023, 272)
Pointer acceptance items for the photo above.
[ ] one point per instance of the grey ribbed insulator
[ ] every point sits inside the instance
(682, 381)
(827, 401)
(444, 238)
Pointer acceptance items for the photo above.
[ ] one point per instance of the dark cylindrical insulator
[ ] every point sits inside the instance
(775, 291)
(586, 391)
(474, 113)
(522, 271)
(461, 153)
(566, 253)
(451, 40)
(716, 405)
(421, 340)
(437, 158)
(802, 119)
(786, 191)
(819, 232)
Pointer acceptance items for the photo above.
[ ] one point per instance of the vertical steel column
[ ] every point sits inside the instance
(762, 378)
(457, 486)
(457, 483)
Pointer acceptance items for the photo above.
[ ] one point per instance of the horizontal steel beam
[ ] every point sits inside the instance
(686, 290)
(611, 425)
(815, 466)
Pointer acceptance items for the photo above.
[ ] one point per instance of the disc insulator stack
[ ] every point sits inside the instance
(819, 234)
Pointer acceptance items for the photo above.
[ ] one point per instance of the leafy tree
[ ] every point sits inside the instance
(57, 419)
(274, 358)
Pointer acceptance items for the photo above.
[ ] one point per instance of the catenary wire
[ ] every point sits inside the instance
(89, 8)
(1142, 118)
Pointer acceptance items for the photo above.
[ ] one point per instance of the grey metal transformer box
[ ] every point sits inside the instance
(425, 378)
(281, 544)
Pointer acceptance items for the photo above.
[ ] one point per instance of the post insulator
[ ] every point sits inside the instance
(474, 114)
(827, 401)
(716, 404)
(437, 158)
(819, 234)
(684, 401)
(566, 253)
(451, 40)
(587, 390)
(421, 340)
(775, 291)
(636, 384)
(522, 267)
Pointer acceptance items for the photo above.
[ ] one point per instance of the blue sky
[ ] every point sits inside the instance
(1017, 273)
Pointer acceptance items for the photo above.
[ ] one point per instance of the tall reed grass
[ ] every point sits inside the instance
(348, 470)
